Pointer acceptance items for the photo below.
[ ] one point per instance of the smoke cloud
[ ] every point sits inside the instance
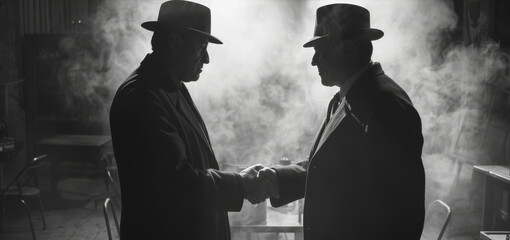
(262, 100)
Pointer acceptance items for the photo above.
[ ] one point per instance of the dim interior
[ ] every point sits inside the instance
(62, 62)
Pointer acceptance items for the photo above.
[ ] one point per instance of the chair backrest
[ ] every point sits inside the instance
(25, 174)
(33, 168)
(108, 204)
(436, 220)
(36, 163)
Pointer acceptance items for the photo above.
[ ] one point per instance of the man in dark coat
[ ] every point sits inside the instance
(170, 183)
(364, 178)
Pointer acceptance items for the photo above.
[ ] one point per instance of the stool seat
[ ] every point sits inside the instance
(25, 191)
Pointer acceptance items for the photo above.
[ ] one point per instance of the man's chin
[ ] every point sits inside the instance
(192, 78)
(327, 83)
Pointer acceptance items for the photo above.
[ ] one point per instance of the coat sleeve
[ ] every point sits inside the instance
(292, 181)
(190, 186)
(396, 178)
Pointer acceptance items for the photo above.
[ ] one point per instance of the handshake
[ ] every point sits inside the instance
(259, 183)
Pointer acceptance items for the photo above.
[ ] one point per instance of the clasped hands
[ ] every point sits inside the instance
(259, 183)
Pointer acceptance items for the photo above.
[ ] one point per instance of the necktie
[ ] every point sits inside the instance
(333, 106)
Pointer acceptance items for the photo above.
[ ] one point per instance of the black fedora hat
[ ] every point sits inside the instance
(343, 21)
(183, 15)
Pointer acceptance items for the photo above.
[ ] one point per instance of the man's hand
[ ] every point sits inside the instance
(259, 186)
(269, 174)
(250, 182)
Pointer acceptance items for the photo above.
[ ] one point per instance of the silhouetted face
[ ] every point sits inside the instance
(335, 61)
(192, 57)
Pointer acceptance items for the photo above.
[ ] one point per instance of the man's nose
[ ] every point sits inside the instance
(205, 57)
(315, 59)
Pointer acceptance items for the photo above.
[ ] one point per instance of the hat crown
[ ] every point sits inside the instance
(183, 14)
(343, 21)
(334, 18)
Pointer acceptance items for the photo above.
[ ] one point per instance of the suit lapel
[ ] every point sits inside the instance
(333, 123)
(317, 139)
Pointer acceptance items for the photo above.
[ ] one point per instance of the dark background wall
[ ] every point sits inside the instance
(12, 108)
(32, 99)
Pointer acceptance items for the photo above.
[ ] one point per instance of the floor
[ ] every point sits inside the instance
(77, 223)
(75, 213)
(87, 222)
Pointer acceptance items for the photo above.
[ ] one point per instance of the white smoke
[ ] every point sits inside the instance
(261, 99)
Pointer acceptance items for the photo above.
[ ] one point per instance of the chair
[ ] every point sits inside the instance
(26, 185)
(108, 204)
(111, 175)
(105, 169)
(436, 220)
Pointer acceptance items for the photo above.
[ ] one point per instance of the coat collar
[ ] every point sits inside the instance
(358, 97)
(356, 93)
(152, 69)
(152, 66)
(344, 89)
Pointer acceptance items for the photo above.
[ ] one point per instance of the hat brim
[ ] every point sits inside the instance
(369, 33)
(156, 26)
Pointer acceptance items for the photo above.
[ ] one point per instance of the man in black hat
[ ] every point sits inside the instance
(364, 177)
(170, 183)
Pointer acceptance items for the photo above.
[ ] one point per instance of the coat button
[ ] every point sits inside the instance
(308, 229)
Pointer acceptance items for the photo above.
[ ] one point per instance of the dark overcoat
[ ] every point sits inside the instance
(366, 181)
(170, 184)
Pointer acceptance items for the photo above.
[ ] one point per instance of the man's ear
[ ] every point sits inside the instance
(174, 42)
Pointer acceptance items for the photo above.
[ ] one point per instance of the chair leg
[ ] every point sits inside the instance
(106, 181)
(1, 217)
(29, 217)
(107, 221)
(41, 209)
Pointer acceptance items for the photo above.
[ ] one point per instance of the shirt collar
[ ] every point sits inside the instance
(348, 84)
